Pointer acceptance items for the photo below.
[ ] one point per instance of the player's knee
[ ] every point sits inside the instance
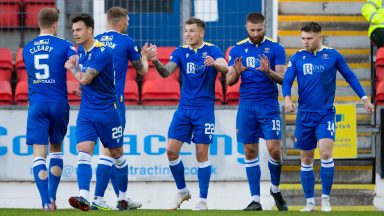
(116, 152)
(201, 155)
(56, 171)
(250, 153)
(275, 154)
(43, 175)
(172, 154)
(325, 155)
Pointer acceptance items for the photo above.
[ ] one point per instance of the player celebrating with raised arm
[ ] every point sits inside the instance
(98, 115)
(124, 50)
(194, 119)
(258, 114)
(48, 112)
(315, 67)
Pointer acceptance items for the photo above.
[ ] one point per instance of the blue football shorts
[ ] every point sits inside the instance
(258, 121)
(104, 125)
(47, 123)
(197, 125)
(313, 126)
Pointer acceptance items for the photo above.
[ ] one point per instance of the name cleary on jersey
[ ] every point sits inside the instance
(38, 48)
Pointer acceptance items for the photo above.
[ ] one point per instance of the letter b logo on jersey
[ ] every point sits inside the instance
(190, 68)
(251, 62)
(307, 69)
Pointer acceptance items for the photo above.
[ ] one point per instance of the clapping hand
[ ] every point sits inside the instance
(238, 65)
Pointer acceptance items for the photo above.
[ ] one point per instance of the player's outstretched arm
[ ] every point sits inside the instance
(141, 65)
(164, 70)
(220, 64)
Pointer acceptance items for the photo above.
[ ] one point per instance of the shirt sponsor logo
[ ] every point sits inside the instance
(310, 68)
(41, 42)
(251, 62)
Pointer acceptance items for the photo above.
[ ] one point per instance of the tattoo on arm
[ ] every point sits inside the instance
(166, 70)
(138, 65)
(75, 70)
(89, 75)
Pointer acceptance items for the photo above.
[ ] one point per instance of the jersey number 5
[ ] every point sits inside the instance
(44, 67)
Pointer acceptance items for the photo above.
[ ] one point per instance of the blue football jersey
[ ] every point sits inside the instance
(100, 94)
(197, 80)
(124, 50)
(256, 86)
(316, 78)
(44, 59)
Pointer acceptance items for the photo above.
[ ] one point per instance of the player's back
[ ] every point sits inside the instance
(44, 59)
(256, 86)
(99, 95)
(124, 49)
(198, 80)
(316, 77)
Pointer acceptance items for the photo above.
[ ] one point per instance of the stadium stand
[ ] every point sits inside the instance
(159, 91)
(233, 93)
(6, 65)
(21, 72)
(131, 89)
(219, 96)
(21, 93)
(5, 93)
(10, 13)
(32, 8)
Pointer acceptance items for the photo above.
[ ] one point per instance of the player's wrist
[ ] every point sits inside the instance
(364, 99)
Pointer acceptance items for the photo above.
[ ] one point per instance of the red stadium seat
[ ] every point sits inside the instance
(22, 74)
(21, 93)
(131, 92)
(131, 74)
(6, 59)
(163, 53)
(5, 93)
(32, 8)
(219, 98)
(10, 13)
(160, 92)
(233, 94)
(19, 64)
(6, 65)
(72, 98)
(5, 75)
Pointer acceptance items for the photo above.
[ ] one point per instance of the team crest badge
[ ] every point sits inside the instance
(266, 50)
(204, 54)
(325, 56)
(246, 50)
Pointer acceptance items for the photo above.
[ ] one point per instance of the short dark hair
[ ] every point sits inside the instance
(255, 18)
(48, 16)
(86, 18)
(311, 27)
(194, 20)
(114, 14)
